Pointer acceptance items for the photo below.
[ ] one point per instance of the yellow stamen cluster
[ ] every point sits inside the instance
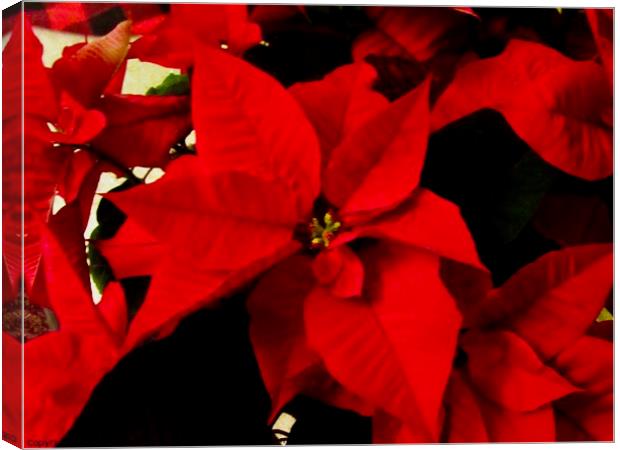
(322, 235)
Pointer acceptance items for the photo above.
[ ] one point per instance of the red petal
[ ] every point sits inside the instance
(589, 365)
(602, 24)
(142, 129)
(428, 222)
(166, 45)
(12, 383)
(132, 251)
(277, 328)
(507, 371)
(468, 285)
(472, 418)
(504, 425)
(79, 166)
(86, 72)
(87, 191)
(339, 104)
(214, 226)
(216, 220)
(39, 96)
(66, 227)
(287, 365)
(144, 18)
(113, 310)
(42, 167)
(188, 27)
(574, 219)
(340, 270)
(603, 330)
(61, 370)
(379, 165)
(417, 32)
(388, 430)
(375, 42)
(275, 13)
(553, 301)
(216, 24)
(77, 125)
(115, 87)
(38, 167)
(192, 286)
(69, 296)
(464, 420)
(246, 121)
(373, 345)
(560, 107)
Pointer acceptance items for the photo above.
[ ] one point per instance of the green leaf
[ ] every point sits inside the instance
(604, 316)
(173, 84)
(527, 183)
(100, 271)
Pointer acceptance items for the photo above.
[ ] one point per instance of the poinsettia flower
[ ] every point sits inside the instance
(560, 107)
(256, 194)
(70, 343)
(174, 42)
(528, 369)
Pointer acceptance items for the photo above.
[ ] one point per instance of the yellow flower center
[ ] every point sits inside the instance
(322, 234)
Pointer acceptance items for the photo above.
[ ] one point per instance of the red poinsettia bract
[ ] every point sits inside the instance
(174, 42)
(70, 343)
(416, 33)
(561, 108)
(531, 365)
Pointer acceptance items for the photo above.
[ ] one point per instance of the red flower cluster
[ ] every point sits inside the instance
(368, 292)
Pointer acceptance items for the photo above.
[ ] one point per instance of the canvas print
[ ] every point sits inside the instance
(233, 224)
